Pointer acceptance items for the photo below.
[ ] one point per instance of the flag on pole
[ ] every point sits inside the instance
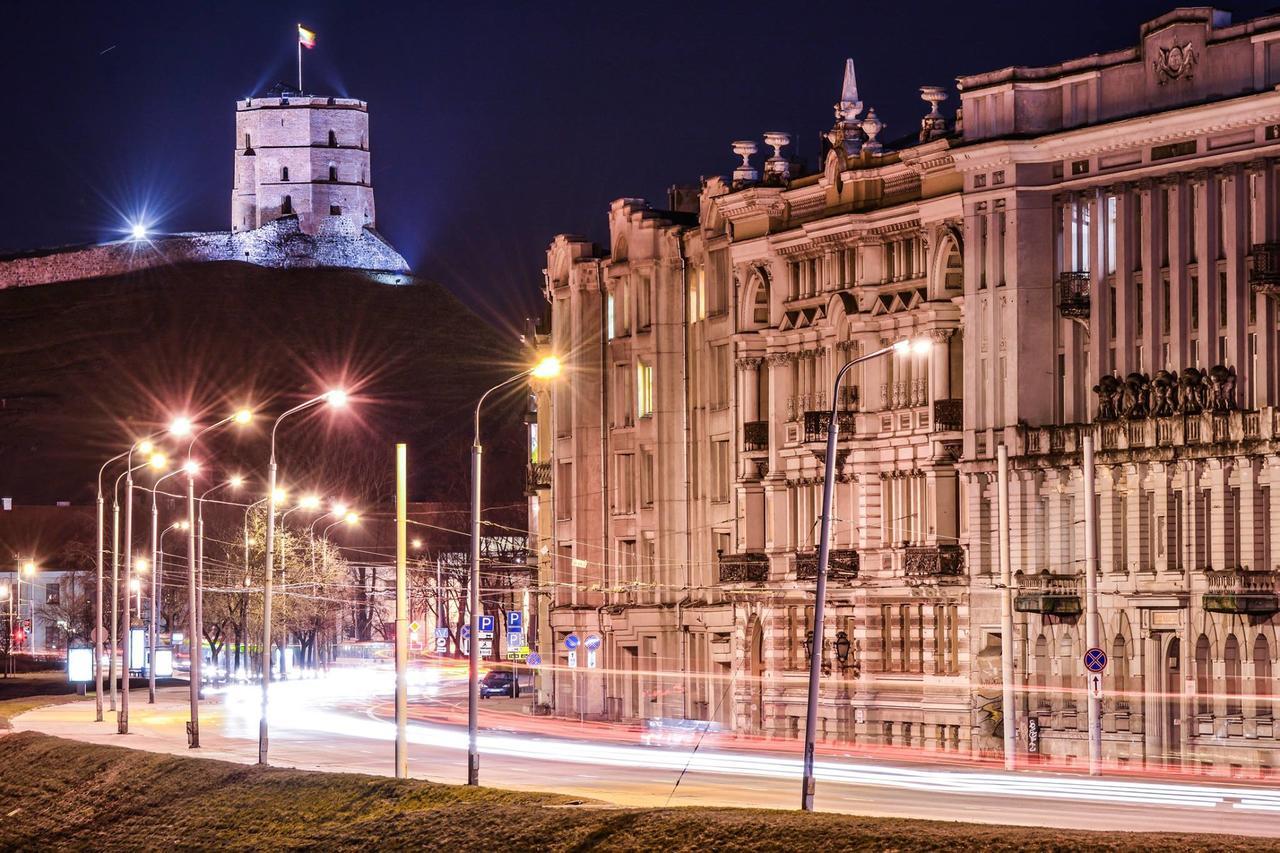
(306, 37)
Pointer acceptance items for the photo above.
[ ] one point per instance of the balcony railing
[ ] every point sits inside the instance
(1242, 591)
(1264, 268)
(750, 567)
(537, 476)
(1189, 434)
(842, 565)
(755, 435)
(816, 423)
(933, 561)
(1049, 594)
(948, 415)
(1073, 294)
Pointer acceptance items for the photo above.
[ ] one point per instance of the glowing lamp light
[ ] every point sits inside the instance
(417, 543)
(4, 592)
(309, 502)
(279, 497)
(548, 368)
(921, 346)
(140, 564)
(336, 398)
(158, 461)
(339, 509)
(183, 525)
(29, 568)
(145, 447)
(235, 481)
(352, 518)
(138, 231)
(251, 541)
(134, 586)
(180, 426)
(191, 467)
(243, 416)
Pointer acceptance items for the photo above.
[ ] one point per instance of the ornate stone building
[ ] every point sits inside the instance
(1092, 249)
(1120, 219)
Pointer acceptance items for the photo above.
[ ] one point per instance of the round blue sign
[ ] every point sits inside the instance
(571, 642)
(534, 659)
(1095, 660)
(593, 641)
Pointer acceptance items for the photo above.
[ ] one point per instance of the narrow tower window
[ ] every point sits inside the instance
(333, 139)
(286, 206)
(284, 173)
(333, 173)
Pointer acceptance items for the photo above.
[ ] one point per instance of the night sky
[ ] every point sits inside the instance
(494, 125)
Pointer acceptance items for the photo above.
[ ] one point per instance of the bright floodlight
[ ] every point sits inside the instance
(336, 398)
(158, 461)
(4, 592)
(29, 568)
(352, 518)
(243, 416)
(134, 586)
(921, 346)
(902, 345)
(548, 368)
(235, 481)
(279, 497)
(145, 447)
(309, 502)
(417, 543)
(182, 525)
(141, 564)
(138, 231)
(339, 509)
(180, 426)
(191, 466)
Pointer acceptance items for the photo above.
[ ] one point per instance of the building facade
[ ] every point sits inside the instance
(1090, 249)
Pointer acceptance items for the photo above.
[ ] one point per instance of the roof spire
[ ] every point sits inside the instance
(850, 105)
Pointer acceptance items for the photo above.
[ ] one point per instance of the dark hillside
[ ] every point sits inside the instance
(87, 365)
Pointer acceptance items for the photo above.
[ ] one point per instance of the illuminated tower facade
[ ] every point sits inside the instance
(304, 157)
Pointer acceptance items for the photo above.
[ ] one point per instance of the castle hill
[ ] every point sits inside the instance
(570, 427)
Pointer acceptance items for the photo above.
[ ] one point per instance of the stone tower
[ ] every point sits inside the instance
(302, 156)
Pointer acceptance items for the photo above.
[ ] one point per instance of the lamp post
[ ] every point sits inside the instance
(29, 569)
(337, 399)
(99, 629)
(234, 481)
(307, 502)
(155, 577)
(8, 657)
(157, 462)
(547, 368)
(115, 575)
(196, 644)
(824, 554)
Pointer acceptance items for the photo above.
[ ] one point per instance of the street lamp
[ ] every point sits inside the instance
(8, 658)
(547, 368)
(29, 569)
(336, 398)
(235, 481)
(99, 630)
(814, 648)
(188, 468)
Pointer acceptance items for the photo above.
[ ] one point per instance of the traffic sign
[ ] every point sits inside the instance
(413, 627)
(534, 659)
(486, 646)
(486, 625)
(1095, 660)
(1095, 685)
(466, 632)
(515, 621)
(593, 641)
(442, 643)
(442, 633)
(591, 658)
(514, 640)
(573, 660)
(571, 642)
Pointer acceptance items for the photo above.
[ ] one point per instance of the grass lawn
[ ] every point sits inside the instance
(59, 794)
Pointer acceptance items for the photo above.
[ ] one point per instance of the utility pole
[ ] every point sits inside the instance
(1006, 612)
(402, 615)
(1091, 603)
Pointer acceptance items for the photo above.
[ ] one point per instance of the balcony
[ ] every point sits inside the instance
(931, 561)
(1049, 595)
(842, 565)
(1264, 268)
(537, 476)
(755, 435)
(1243, 592)
(816, 423)
(751, 567)
(948, 415)
(1073, 294)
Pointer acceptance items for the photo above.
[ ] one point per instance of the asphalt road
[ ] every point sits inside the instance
(336, 724)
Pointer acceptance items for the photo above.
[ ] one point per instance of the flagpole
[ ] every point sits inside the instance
(299, 36)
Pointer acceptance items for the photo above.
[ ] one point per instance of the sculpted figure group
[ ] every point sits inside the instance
(1192, 392)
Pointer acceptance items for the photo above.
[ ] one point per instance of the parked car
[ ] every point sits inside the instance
(499, 682)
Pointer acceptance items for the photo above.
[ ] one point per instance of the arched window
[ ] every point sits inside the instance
(1040, 682)
(1262, 687)
(1231, 659)
(1204, 677)
(333, 139)
(248, 144)
(1120, 671)
(284, 173)
(286, 207)
(760, 307)
(333, 172)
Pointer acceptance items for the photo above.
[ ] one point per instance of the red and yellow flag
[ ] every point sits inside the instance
(306, 37)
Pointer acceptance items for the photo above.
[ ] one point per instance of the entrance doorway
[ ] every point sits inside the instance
(1172, 698)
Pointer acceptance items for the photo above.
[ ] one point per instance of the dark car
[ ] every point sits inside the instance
(499, 682)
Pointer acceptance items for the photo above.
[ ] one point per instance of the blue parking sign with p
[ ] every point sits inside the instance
(515, 620)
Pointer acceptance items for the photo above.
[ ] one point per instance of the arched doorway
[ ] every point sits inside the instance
(755, 672)
(1172, 729)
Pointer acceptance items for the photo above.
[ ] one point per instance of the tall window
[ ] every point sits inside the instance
(610, 314)
(333, 173)
(1120, 670)
(286, 206)
(284, 173)
(721, 376)
(718, 297)
(1262, 685)
(644, 389)
(644, 302)
(1204, 677)
(1231, 663)
(1078, 237)
(646, 477)
(1112, 204)
(624, 485)
(721, 474)
(333, 139)
(1040, 680)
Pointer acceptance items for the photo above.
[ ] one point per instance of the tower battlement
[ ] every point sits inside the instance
(303, 157)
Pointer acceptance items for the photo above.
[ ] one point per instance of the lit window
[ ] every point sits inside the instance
(609, 321)
(644, 389)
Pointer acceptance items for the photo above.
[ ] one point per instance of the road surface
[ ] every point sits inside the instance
(336, 724)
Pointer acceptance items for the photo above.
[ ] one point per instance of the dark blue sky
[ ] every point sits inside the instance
(494, 125)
